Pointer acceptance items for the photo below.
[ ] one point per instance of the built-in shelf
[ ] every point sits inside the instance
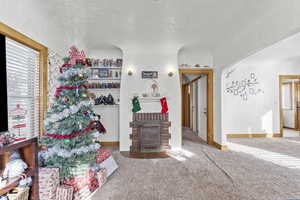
(16, 145)
(107, 76)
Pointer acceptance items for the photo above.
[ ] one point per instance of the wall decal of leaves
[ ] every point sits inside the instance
(244, 88)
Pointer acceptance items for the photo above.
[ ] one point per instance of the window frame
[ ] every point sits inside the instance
(43, 67)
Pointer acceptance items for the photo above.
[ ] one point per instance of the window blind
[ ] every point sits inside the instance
(23, 88)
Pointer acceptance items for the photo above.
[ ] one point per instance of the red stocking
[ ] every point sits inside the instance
(164, 105)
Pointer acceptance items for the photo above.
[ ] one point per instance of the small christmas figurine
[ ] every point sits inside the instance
(6, 138)
(154, 87)
(98, 125)
(18, 117)
(15, 168)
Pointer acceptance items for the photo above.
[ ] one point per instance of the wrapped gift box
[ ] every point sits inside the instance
(64, 192)
(92, 181)
(110, 165)
(102, 155)
(101, 176)
(77, 182)
(48, 183)
(82, 194)
(81, 181)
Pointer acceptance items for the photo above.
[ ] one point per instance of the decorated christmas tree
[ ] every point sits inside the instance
(69, 139)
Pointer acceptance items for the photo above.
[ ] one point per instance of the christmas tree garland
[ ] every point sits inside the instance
(72, 72)
(74, 134)
(67, 154)
(67, 112)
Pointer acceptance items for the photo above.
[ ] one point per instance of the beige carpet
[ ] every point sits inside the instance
(259, 169)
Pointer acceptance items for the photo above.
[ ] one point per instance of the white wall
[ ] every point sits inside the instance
(194, 55)
(260, 113)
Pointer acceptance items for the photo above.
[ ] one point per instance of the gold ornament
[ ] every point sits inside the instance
(80, 75)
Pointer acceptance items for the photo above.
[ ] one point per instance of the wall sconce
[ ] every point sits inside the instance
(129, 72)
(170, 74)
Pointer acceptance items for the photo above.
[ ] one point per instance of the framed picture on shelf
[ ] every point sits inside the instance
(103, 73)
(94, 74)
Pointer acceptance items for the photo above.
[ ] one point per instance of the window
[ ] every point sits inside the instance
(287, 96)
(23, 88)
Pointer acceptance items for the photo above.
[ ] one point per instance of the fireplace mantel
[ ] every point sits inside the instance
(150, 132)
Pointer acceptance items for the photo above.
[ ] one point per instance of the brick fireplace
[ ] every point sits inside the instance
(150, 132)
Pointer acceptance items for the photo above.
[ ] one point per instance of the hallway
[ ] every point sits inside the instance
(253, 169)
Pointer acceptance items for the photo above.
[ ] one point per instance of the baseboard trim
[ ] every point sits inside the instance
(254, 135)
(291, 128)
(146, 155)
(219, 146)
(110, 144)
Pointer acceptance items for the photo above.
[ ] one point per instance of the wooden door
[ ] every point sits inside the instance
(185, 105)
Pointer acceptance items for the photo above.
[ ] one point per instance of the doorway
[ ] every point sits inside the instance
(197, 103)
(289, 90)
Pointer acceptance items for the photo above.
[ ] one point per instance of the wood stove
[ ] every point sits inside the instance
(150, 132)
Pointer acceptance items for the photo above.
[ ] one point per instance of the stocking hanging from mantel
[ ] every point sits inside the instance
(164, 105)
(136, 107)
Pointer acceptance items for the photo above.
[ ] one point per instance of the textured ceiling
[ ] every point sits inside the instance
(174, 23)
(284, 50)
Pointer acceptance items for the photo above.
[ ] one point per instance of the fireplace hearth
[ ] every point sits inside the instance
(150, 132)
